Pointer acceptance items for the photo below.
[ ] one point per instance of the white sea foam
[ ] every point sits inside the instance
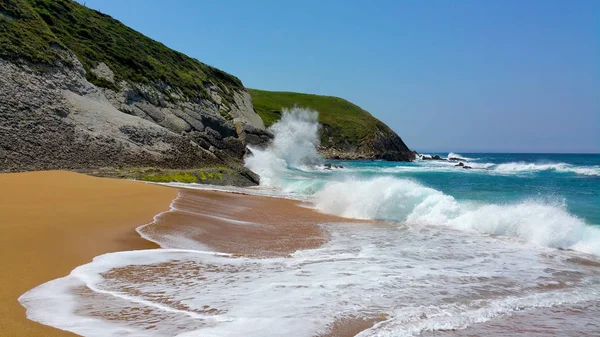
(523, 167)
(456, 155)
(422, 279)
(294, 146)
(504, 168)
(513, 168)
(388, 198)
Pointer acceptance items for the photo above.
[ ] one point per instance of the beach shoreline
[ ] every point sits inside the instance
(54, 221)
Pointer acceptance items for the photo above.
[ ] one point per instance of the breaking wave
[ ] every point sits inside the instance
(543, 223)
(293, 147)
(506, 168)
(522, 167)
(458, 156)
(388, 198)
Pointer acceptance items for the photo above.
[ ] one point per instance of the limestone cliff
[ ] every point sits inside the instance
(79, 90)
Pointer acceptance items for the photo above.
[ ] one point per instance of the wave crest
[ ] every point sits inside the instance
(521, 167)
(387, 198)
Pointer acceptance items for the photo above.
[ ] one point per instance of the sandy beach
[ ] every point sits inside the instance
(53, 221)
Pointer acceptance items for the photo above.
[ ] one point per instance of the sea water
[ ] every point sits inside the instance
(502, 243)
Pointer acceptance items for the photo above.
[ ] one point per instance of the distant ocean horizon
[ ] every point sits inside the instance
(446, 151)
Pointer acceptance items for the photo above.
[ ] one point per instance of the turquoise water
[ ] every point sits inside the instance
(572, 180)
(547, 200)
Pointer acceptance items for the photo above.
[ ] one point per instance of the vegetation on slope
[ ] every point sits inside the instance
(23, 34)
(37, 30)
(212, 175)
(344, 122)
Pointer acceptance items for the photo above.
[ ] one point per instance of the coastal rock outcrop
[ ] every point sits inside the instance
(61, 108)
(346, 131)
(55, 119)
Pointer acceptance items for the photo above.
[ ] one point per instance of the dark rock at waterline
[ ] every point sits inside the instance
(397, 156)
(251, 135)
(248, 152)
(467, 167)
(460, 164)
(327, 166)
(436, 157)
(456, 159)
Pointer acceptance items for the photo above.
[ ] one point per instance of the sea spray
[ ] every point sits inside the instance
(387, 198)
(288, 165)
(293, 147)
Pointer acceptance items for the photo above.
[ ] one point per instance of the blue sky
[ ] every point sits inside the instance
(515, 76)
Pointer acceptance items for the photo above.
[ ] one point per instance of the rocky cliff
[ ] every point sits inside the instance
(347, 131)
(79, 90)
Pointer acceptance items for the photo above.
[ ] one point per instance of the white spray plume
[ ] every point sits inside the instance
(294, 146)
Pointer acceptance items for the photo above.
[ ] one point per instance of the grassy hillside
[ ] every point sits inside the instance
(39, 30)
(343, 121)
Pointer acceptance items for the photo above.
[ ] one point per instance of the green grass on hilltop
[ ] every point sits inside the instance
(36, 30)
(342, 120)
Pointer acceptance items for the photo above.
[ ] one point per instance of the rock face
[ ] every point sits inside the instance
(53, 118)
(80, 90)
(382, 144)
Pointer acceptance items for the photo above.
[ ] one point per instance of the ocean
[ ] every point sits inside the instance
(509, 247)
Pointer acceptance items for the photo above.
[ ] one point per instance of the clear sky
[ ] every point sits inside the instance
(493, 75)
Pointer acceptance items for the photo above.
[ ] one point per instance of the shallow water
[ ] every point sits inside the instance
(416, 279)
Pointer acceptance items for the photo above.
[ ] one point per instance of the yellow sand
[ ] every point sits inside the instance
(54, 221)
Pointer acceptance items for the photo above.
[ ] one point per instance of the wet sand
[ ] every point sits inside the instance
(239, 224)
(54, 221)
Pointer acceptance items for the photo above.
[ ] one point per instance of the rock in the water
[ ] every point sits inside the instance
(460, 164)
(467, 167)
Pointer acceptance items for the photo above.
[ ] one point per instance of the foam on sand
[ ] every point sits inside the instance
(364, 271)
(53, 221)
